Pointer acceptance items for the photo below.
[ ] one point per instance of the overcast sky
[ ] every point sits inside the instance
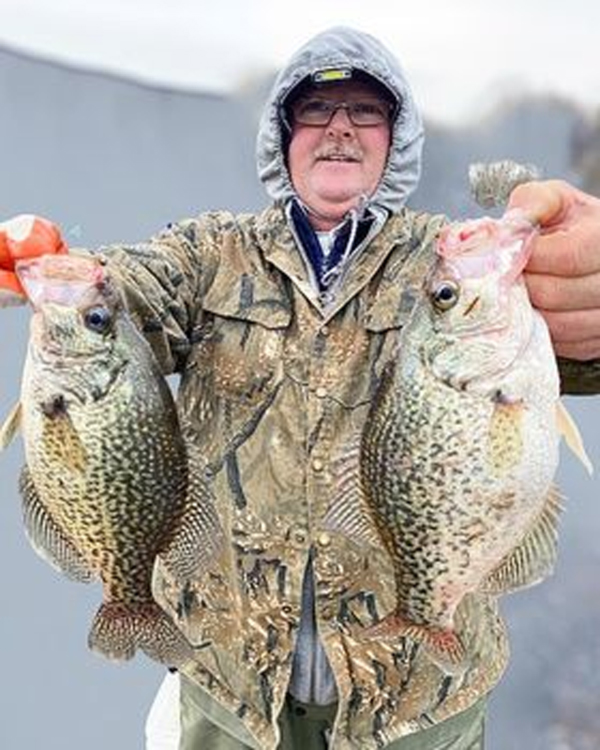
(460, 55)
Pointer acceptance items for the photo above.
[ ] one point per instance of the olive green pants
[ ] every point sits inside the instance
(207, 726)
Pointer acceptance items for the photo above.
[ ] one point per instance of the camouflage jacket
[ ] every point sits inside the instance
(273, 387)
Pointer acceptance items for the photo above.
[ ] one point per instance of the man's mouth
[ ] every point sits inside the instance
(339, 157)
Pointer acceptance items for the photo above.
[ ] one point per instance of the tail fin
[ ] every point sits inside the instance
(442, 644)
(119, 629)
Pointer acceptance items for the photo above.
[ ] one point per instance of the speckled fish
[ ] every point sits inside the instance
(457, 459)
(108, 485)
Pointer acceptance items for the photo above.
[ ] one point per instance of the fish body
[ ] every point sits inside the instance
(458, 455)
(108, 485)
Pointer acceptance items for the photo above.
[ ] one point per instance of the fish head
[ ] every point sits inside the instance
(476, 299)
(480, 264)
(75, 306)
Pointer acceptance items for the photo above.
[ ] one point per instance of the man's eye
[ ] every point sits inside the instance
(366, 108)
(314, 106)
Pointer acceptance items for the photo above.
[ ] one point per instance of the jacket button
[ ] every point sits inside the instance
(318, 464)
(299, 535)
(321, 391)
(324, 539)
(324, 331)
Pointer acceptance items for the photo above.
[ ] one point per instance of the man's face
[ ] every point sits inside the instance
(333, 165)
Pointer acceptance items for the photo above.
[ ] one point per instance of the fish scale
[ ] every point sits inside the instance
(109, 486)
(453, 472)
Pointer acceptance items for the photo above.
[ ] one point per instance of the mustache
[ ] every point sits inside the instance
(338, 151)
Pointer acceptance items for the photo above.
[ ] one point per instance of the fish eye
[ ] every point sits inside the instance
(97, 319)
(445, 295)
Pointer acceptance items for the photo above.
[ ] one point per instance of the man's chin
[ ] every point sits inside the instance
(328, 211)
(339, 188)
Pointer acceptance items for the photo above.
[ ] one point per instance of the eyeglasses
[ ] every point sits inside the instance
(319, 112)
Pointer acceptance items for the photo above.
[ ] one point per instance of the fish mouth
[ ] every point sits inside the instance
(61, 279)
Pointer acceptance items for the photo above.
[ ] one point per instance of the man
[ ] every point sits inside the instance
(280, 325)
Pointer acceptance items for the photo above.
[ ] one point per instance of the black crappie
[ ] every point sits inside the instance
(108, 484)
(458, 455)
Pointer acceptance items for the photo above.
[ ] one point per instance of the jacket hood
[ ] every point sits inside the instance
(342, 47)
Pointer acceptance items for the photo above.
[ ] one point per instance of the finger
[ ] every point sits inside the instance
(574, 251)
(542, 202)
(581, 350)
(11, 291)
(573, 325)
(558, 293)
(18, 227)
(30, 236)
(6, 260)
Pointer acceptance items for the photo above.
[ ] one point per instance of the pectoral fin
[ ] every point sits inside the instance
(569, 430)
(62, 439)
(506, 440)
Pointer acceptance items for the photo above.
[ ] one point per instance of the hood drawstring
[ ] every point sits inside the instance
(333, 273)
(328, 267)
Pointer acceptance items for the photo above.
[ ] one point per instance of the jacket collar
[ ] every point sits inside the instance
(283, 249)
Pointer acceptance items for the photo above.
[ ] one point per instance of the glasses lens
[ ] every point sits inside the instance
(320, 112)
(368, 113)
(313, 111)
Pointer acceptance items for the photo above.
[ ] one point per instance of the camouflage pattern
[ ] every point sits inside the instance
(306, 726)
(272, 387)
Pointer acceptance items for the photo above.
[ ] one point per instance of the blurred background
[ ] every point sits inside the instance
(118, 117)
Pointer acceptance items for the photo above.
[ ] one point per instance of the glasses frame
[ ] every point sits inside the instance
(290, 118)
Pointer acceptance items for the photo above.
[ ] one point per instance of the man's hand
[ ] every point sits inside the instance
(24, 236)
(563, 274)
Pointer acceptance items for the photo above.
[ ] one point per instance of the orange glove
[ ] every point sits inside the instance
(24, 236)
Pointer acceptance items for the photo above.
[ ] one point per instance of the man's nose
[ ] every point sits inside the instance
(340, 121)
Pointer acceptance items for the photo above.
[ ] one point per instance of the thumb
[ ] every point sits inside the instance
(543, 203)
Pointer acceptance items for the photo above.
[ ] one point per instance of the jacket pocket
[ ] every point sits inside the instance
(235, 367)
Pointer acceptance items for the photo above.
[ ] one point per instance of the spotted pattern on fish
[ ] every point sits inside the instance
(109, 483)
(458, 453)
